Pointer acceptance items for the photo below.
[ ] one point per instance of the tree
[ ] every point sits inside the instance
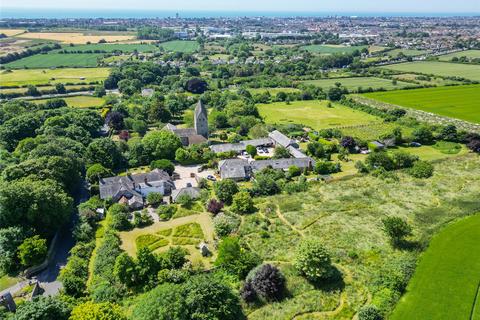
(154, 198)
(242, 203)
(423, 134)
(379, 159)
(32, 251)
(294, 171)
(369, 312)
(163, 164)
(10, 239)
(234, 259)
(173, 258)
(316, 149)
(115, 120)
(247, 292)
(326, 167)
(404, 159)
(281, 153)
(105, 152)
(60, 88)
(97, 311)
(449, 133)
(161, 144)
(99, 91)
(185, 200)
(251, 150)
(165, 302)
(118, 217)
(225, 189)
(125, 270)
(96, 171)
(43, 308)
(312, 261)
(33, 91)
(196, 85)
(396, 228)
(348, 143)
(267, 281)
(224, 224)
(421, 169)
(335, 93)
(214, 206)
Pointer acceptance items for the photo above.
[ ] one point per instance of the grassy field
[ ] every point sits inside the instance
(56, 60)
(78, 101)
(444, 69)
(446, 280)
(459, 102)
(77, 37)
(407, 52)
(109, 47)
(468, 54)
(273, 91)
(329, 49)
(51, 76)
(11, 32)
(180, 46)
(41, 89)
(346, 217)
(354, 83)
(315, 114)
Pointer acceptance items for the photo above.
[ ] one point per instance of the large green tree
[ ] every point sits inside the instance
(161, 144)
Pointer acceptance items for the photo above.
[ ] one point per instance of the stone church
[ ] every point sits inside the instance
(196, 135)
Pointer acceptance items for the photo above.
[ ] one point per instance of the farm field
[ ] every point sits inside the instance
(273, 91)
(459, 102)
(78, 101)
(468, 54)
(446, 280)
(76, 37)
(41, 88)
(346, 217)
(407, 52)
(180, 46)
(438, 81)
(11, 32)
(329, 49)
(315, 114)
(354, 83)
(444, 69)
(51, 76)
(57, 60)
(108, 47)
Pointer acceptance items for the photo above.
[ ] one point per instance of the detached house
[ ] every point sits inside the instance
(132, 189)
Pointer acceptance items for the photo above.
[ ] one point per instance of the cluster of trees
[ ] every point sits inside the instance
(155, 33)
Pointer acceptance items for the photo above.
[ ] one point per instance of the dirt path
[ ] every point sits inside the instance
(286, 222)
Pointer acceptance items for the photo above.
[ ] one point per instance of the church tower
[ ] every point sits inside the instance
(201, 120)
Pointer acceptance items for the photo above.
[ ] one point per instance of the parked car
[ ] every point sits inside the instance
(211, 178)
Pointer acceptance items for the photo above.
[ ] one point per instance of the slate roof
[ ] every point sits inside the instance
(281, 139)
(282, 164)
(192, 192)
(234, 169)
(200, 109)
(240, 146)
(296, 153)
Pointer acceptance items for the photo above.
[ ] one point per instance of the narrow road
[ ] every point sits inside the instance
(48, 277)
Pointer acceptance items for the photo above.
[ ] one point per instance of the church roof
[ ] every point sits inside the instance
(200, 109)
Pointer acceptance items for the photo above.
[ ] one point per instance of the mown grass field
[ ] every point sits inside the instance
(446, 280)
(353, 84)
(57, 60)
(272, 91)
(41, 89)
(315, 114)
(444, 69)
(78, 101)
(468, 54)
(329, 49)
(407, 52)
(110, 47)
(459, 102)
(51, 76)
(180, 46)
(77, 37)
(346, 217)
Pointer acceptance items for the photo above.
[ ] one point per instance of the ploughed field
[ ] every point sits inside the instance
(446, 281)
(459, 102)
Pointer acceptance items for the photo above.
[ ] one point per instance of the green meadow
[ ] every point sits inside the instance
(459, 102)
(330, 49)
(180, 46)
(78, 101)
(469, 54)
(353, 84)
(444, 69)
(56, 60)
(109, 47)
(51, 76)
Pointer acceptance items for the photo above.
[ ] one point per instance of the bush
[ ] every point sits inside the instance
(242, 203)
(96, 311)
(32, 251)
(369, 312)
(214, 206)
(421, 169)
(185, 200)
(312, 260)
(142, 219)
(154, 198)
(225, 189)
(251, 150)
(294, 171)
(404, 159)
(166, 212)
(225, 224)
(423, 134)
(234, 259)
(396, 229)
(325, 167)
(267, 281)
(163, 164)
(43, 308)
(380, 159)
(118, 217)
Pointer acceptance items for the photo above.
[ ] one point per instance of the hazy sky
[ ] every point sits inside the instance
(447, 6)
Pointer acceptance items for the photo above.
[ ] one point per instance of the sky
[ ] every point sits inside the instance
(404, 6)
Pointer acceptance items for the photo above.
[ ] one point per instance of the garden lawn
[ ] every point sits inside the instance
(78, 101)
(446, 281)
(315, 114)
(459, 102)
(56, 60)
(352, 84)
(444, 69)
(51, 76)
(469, 54)
(180, 46)
(330, 49)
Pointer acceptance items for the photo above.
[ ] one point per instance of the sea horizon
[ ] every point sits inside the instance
(35, 13)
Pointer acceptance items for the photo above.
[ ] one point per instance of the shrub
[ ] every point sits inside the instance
(267, 281)
(154, 198)
(94, 311)
(32, 251)
(166, 212)
(325, 167)
(423, 134)
(369, 312)
(379, 159)
(247, 292)
(396, 228)
(251, 150)
(43, 308)
(234, 259)
(225, 224)
(421, 169)
(242, 203)
(312, 260)
(214, 206)
(225, 189)
(118, 217)
(142, 219)
(185, 201)
(294, 171)
(163, 164)
(404, 159)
